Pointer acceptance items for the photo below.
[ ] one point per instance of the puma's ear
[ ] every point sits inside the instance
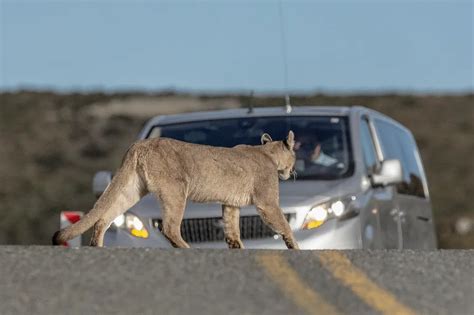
(266, 138)
(290, 140)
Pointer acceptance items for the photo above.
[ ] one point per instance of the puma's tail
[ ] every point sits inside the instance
(70, 232)
(122, 193)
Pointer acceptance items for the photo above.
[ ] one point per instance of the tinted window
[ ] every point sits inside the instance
(398, 144)
(370, 157)
(322, 143)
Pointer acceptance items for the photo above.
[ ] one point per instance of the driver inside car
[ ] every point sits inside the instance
(308, 152)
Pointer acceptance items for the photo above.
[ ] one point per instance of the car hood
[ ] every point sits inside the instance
(294, 195)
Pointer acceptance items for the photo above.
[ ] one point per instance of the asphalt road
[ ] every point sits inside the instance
(54, 280)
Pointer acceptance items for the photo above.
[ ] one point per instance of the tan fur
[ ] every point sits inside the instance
(177, 171)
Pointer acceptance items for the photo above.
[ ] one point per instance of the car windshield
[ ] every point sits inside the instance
(322, 143)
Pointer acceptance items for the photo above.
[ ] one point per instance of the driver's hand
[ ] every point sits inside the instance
(316, 153)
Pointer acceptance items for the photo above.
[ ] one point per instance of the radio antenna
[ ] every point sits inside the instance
(250, 103)
(283, 52)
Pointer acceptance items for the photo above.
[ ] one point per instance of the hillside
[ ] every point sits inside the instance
(52, 144)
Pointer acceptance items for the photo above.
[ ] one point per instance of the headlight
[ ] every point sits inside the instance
(326, 211)
(132, 224)
(337, 208)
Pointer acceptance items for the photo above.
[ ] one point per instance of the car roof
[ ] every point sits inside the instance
(254, 112)
(266, 112)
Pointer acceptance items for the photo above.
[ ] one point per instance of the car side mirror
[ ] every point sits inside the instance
(100, 182)
(390, 173)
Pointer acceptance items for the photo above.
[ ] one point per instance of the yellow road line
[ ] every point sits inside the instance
(280, 271)
(354, 278)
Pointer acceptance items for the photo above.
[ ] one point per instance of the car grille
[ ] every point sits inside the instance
(212, 229)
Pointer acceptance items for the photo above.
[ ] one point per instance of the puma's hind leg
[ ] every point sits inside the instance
(97, 239)
(273, 216)
(230, 216)
(115, 205)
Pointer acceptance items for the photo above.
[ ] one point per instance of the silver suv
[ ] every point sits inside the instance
(360, 182)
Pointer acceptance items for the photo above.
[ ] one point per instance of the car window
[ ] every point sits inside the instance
(368, 148)
(322, 143)
(398, 144)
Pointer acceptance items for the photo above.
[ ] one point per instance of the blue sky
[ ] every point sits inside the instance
(337, 46)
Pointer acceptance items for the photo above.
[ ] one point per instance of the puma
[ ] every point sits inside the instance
(176, 171)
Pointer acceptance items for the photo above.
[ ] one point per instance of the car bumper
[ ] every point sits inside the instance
(333, 234)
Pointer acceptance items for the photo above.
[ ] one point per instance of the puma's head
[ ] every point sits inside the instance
(282, 152)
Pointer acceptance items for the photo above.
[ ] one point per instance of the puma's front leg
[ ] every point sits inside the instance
(273, 217)
(231, 215)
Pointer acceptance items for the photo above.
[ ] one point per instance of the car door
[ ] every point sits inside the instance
(413, 198)
(379, 227)
(412, 207)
